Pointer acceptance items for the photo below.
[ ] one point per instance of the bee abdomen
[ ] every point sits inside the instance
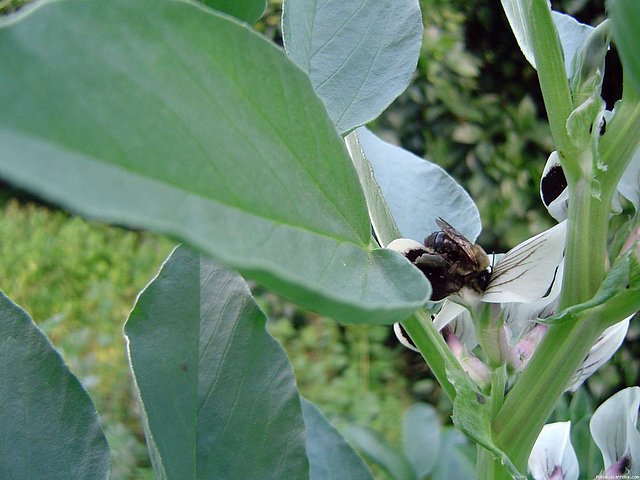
(441, 243)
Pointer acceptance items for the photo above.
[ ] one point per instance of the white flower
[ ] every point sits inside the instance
(553, 456)
(614, 430)
(526, 282)
(524, 288)
(604, 348)
(527, 272)
(531, 272)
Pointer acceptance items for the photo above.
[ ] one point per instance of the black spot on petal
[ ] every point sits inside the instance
(553, 184)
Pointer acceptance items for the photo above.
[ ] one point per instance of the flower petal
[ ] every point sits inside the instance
(520, 316)
(629, 186)
(614, 430)
(405, 245)
(528, 271)
(553, 188)
(553, 456)
(604, 348)
(403, 337)
(458, 318)
(449, 311)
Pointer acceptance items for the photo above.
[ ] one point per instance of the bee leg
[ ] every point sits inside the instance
(453, 268)
(428, 260)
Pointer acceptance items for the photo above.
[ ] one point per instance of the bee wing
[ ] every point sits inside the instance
(458, 238)
(528, 271)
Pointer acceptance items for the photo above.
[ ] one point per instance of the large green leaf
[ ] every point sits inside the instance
(421, 437)
(359, 54)
(472, 415)
(248, 10)
(218, 392)
(330, 456)
(376, 449)
(625, 15)
(49, 427)
(452, 461)
(418, 191)
(160, 114)
(384, 225)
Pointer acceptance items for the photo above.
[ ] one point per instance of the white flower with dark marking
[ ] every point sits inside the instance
(604, 348)
(525, 282)
(615, 432)
(553, 456)
(529, 274)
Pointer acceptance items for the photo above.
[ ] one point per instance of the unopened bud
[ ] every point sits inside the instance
(522, 351)
(477, 370)
(633, 241)
(504, 342)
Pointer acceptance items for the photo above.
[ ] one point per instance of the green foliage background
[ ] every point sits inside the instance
(474, 108)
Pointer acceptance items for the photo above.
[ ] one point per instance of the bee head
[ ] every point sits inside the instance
(480, 281)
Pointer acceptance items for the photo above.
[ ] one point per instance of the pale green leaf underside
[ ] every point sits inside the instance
(330, 456)
(571, 33)
(384, 225)
(421, 437)
(165, 116)
(219, 396)
(49, 427)
(418, 191)
(359, 54)
(377, 450)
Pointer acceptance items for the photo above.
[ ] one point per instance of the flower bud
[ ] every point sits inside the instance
(524, 349)
(477, 370)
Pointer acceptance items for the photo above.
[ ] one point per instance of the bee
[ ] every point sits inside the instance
(451, 262)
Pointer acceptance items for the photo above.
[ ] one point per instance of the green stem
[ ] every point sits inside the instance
(565, 346)
(434, 349)
(498, 383)
(529, 404)
(554, 84)
(586, 248)
(487, 466)
(531, 401)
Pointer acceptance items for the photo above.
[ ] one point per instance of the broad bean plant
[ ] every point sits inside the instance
(178, 117)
